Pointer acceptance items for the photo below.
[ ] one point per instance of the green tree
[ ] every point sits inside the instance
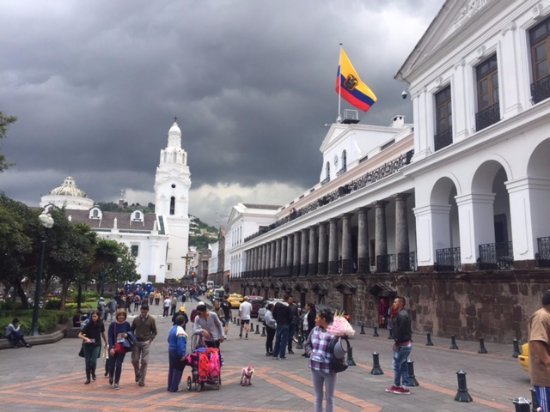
(5, 120)
(18, 235)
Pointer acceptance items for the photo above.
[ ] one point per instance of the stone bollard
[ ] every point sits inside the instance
(234, 321)
(257, 330)
(429, 339)
(350, 361)
(362, 329)
(482, 346)
(390, 334)
(251, 326)
(515, 354)
(521, 404)
(263, 332)
(534, 400)
(453, 343)
(462, 395)
(376, 369)
(375, 334)
(412, 378)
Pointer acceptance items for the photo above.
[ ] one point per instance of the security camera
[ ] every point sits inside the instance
(404, 94)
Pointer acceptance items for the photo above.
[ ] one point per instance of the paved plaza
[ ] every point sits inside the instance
(50, 377)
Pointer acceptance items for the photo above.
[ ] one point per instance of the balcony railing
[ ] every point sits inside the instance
(496, 256)
(488, 116)
(540, 89)
(448, 259)
(443, 139)
(543, 257)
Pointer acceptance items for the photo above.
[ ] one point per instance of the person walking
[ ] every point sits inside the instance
(101, 308)
(245, 310)
(270, 328)
(209, 326)
(308, 322)
(281, 314)
(91, 334)
(118, 331)
(177, 343)
(181, 312)
(173, 304)
(402, 335)
(166, 306)
(324, 380)
(226, 307)
(145, 331)
(539, 352)
(111, 307)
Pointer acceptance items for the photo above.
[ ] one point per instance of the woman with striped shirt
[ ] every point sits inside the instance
(324, 380)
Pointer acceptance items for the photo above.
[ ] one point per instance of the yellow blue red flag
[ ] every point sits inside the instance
(350, 86)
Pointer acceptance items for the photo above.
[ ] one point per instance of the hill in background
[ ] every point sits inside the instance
(200, 233)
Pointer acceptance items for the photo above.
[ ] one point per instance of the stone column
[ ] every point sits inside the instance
(323, 249)
(347, 263)
(268, 258)
(363, 264)
(277, 256)
(381, 242)
(290, 254)
(284, 265)
(296, 257)
(304, 250)
(333, 246)
(264, 260)
(313, 249)
(402, 233)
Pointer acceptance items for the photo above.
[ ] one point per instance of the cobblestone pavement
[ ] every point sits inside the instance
(50, 377)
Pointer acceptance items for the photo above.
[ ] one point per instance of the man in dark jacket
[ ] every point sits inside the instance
(402, 334)
(281, 314)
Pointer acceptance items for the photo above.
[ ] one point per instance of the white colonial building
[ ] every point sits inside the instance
(449, 211)
(158, 241)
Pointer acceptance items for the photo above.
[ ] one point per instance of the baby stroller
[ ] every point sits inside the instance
(205, 367)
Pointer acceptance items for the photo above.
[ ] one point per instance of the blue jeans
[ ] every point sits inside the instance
(543, 397)
(281, 340)
(175, 371)
(400, 367)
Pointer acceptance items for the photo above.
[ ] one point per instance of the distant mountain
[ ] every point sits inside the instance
(200, 233)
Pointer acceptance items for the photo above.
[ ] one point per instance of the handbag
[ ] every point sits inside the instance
(81, 353)
(119, 348)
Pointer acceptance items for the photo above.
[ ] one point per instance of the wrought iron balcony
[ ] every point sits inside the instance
(540, 89)
(496, 256)
(443, 139)
(543, 257)
(448, 259)
(487, 116)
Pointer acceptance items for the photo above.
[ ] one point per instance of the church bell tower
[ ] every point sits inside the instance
(172, 184)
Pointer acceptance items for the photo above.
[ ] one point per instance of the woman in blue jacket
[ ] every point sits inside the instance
(177, 342)
(118, 331)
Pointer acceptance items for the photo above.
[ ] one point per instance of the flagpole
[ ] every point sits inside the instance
(339, 117)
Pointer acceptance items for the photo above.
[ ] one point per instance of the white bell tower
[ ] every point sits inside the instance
(172, 184)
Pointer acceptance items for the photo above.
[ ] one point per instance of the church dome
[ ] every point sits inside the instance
(68, 196)
(68, 188)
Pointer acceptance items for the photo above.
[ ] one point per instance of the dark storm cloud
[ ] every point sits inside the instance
(95, 86)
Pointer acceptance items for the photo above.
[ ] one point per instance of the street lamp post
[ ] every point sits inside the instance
(118, 260)
(47, 222)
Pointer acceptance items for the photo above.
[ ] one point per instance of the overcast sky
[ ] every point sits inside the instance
(95, 85)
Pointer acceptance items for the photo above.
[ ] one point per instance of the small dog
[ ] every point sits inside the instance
(246, 377)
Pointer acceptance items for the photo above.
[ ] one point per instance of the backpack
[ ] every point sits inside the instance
(338, 365)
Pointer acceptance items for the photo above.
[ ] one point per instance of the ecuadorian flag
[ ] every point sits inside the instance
(350, 86)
